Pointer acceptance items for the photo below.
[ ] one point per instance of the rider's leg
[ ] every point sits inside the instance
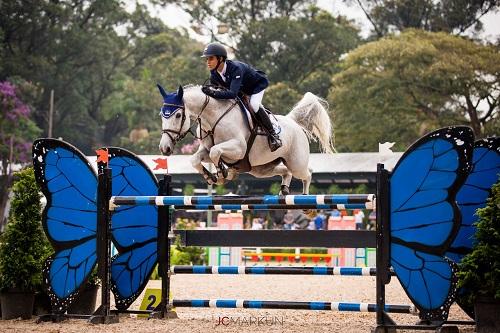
(263, 117)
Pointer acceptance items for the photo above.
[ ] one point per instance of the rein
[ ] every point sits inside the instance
(211, 132)
(178, 133)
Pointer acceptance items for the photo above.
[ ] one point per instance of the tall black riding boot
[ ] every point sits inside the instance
(272, 136)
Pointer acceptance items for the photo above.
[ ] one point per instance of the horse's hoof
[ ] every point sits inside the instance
(285, 190)
(222, 173)
(210, 179)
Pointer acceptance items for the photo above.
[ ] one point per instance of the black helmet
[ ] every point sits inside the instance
(214, 49)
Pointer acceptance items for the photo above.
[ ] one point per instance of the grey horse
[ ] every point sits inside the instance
(224, 135)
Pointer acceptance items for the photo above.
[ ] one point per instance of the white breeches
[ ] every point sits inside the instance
(256, 100)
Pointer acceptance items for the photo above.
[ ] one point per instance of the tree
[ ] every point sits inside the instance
(237, 15)
(298, 49)
(400, 87)
(85, 51)
(24, 246)
(138, 100)
(69, 47)
(17, 131)
(453, 16)
(280, 98)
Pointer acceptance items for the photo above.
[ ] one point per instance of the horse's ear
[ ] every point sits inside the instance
(162, 91)
(180, 92)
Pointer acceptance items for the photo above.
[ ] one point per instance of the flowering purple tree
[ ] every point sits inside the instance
(17, 132)
(190, 148)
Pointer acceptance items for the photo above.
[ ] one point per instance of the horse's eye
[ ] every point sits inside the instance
(178, 115)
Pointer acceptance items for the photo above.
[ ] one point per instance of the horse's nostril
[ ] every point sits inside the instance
(168, 151)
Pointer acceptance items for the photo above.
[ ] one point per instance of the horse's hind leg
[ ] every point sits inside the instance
(306, 181)
(279, 170)
(286, 178)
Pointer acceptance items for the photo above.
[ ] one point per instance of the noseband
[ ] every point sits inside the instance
(210, 133)
(178, 135)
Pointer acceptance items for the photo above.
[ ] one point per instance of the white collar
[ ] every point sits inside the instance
(223, 70)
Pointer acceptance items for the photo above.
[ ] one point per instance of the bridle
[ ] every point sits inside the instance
(178, 133)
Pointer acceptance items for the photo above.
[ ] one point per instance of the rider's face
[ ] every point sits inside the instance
(211, 62)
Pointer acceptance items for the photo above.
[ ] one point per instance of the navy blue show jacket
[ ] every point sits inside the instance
(240, 77)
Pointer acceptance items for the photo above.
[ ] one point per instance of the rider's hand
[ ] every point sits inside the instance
(210, 91)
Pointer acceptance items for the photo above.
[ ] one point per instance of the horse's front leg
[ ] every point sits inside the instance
(233, 150)
(202, 155)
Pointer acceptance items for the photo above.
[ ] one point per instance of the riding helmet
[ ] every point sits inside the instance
(214, 49)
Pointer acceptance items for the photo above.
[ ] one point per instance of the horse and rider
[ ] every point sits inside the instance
(239, 80)
(228, 141)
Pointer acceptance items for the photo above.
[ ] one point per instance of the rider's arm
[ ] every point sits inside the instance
(214, 80)
(234, 88)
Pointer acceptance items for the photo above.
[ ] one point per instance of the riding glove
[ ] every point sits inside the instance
(210, 91)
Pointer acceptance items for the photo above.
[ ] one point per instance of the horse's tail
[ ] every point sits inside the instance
(311, 113)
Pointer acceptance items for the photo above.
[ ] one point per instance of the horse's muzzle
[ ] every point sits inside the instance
(167, 151)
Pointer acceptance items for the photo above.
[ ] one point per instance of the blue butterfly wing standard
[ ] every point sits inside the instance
(134, 229)
(69, 184)
(424, 218)
(473, 195)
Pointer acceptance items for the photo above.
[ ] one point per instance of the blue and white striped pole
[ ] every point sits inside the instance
(339, 201)
(292, 305)
(346, 271)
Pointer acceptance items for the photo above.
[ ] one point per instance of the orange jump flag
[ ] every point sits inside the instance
(161, 163)
(102, 156)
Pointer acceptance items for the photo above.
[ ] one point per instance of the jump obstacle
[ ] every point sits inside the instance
(272, 238)
(259, 238)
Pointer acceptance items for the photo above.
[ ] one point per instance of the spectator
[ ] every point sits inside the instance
(358, 218)
(311, 225)
(288, 220)
(247, 224)
(372, 220)
(257, 224)
(319, 222)
(335, 213)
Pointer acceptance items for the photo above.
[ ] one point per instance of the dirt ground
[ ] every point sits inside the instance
(256, 287)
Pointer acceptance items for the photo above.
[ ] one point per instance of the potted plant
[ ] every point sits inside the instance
(86, 301)
(479, 273)
(23, 248)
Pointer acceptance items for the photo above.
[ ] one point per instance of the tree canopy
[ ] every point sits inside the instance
(87, 52)
(452, 16)
(103, 59)
(400, 87)
(299, 51)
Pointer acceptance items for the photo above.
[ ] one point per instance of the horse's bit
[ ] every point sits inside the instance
(179, 136)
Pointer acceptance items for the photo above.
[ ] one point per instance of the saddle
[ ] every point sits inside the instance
(244, 165)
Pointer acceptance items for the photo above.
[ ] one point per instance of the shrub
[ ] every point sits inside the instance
(24, 246)
(479, 272)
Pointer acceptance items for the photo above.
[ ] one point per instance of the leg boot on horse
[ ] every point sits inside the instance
(272, 136)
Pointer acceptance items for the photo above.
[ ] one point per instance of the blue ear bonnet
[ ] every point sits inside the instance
(171, 104)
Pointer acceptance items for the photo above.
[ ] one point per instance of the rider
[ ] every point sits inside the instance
(239, 78)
